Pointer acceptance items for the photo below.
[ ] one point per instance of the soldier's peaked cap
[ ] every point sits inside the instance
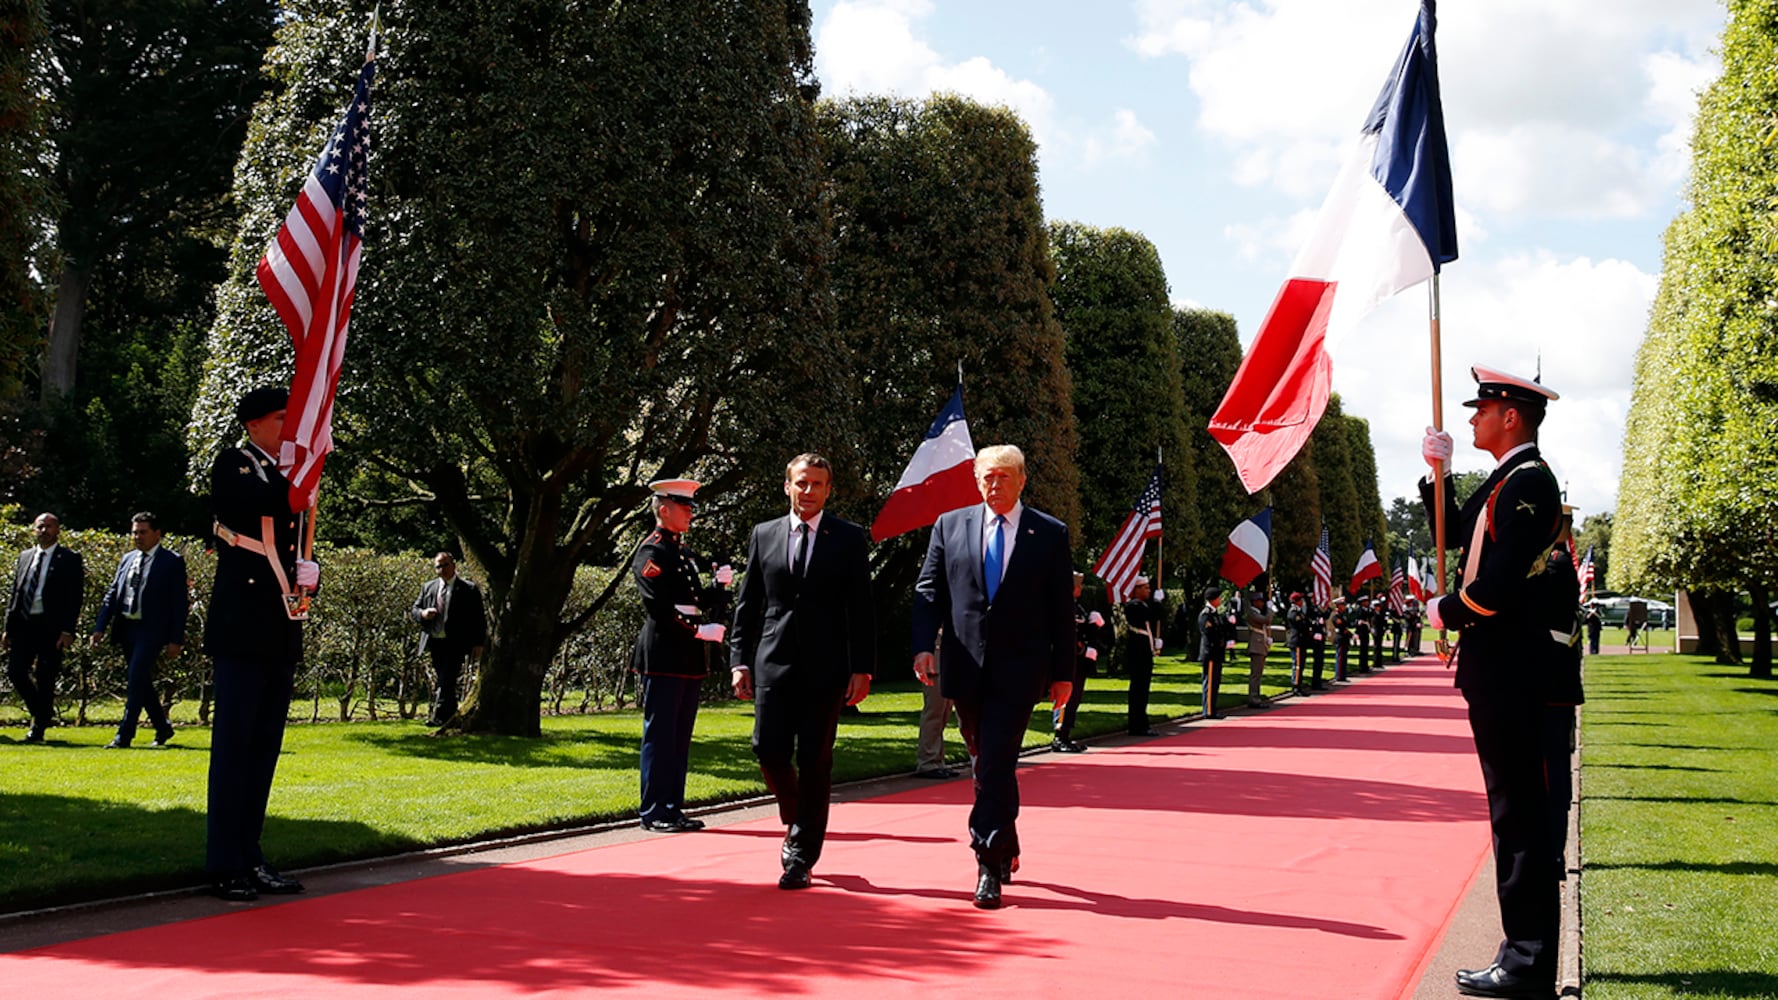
(259, 402)
(681, 490)
(1491, 383)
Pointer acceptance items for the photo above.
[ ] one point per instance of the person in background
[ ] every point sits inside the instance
(1142, 623)
(1259, 643)
(453, 622)
(42, 617)
(1089, 642)
(148, 600)
(1216, 636)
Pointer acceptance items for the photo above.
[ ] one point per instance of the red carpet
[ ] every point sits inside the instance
(1313, 850)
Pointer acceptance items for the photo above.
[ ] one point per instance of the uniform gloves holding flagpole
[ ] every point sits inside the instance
(1435, 447)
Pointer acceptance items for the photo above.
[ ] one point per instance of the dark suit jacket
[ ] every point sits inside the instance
(1520, 508)
(1025, 639)
(63, 591)
(247, 620)
(466, 620)
(820, 629)
(165, 598)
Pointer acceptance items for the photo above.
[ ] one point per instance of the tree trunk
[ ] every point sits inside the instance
(62, 352)
(1720, 621)
(507, 696)
(1762, 631)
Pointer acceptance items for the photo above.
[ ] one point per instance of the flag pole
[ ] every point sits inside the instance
(1160, 540)
(1438, 469)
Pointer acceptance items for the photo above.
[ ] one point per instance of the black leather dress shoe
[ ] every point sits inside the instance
(1497, 982)
(162, 737)
(678, 824)
(795, 877)
(34, 734)
(234, 890)
(118, 743)
(266, 879)
(935, 772)
(987, 888)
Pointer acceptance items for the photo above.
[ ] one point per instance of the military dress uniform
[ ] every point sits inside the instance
(1362, 623)
(1143, 621)
(1296, 635)
(1559, 605)
(1315, 638)
(1506, 530)
(256, 647)
(1216, 633)
(672, 663)
(1089, 645)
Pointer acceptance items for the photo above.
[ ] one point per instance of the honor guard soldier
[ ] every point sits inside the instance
(1340, 621)
(1089, 639)
(1142, 618)
(1216, 636)
(254, 633)
(1559, 604)
(1296, 638)
(670, 652)
(1362, 623)
(1506, 530)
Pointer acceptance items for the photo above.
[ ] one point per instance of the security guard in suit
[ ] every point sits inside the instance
(1506, 530)
(670, 652)
(42, 616)
(254, 633)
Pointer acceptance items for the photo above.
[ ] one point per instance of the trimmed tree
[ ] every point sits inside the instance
(1208, 347)
(1129, 403)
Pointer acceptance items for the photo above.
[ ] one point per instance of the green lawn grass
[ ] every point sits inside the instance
(79, 822)
(1679, 830)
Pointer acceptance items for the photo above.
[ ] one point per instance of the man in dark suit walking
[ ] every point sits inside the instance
(998, 580)
(1506, 530)
(48, 587)
(254, 632)
(803, 645)
(148, 599)
(453, 625)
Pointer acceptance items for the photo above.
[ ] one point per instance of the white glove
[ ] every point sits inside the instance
(725, 575)
(712, 633)
(1096, 619)
(1435, 447)
(1092, 654)
(1159, 594)
(308, 573)
(1433, 618)
(1157, 645)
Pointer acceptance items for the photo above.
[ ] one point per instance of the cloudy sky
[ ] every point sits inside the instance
(1215, 127)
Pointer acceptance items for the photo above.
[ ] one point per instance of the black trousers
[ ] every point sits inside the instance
(33, 664)
(252, 703)
(447, 671)
(1319, 652)
(1063, 717)
(1557, 739)
(793, 733)
(669, 711)
(1139, 660)
(1525, 877)
(141, 657)
(993, 728)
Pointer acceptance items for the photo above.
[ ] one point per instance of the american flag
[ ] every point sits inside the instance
(1123, 557)
(310, 272)
(1397, 583)
(1321, 567)
(1586, 576)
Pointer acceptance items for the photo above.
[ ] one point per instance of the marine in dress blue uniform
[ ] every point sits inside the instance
(256, 645)
(669, 654)
(1506, 530)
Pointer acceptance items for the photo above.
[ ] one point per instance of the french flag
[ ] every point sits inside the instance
(1250, 549)
(1368, 568)
(940, 478)
(1387, 224)
(1417, 581)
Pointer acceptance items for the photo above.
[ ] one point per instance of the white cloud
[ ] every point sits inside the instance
(1126, 138)
(1543, 100)
(871, 46)
(1582, 319)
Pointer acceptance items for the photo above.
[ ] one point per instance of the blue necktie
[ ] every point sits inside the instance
(992, 562)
